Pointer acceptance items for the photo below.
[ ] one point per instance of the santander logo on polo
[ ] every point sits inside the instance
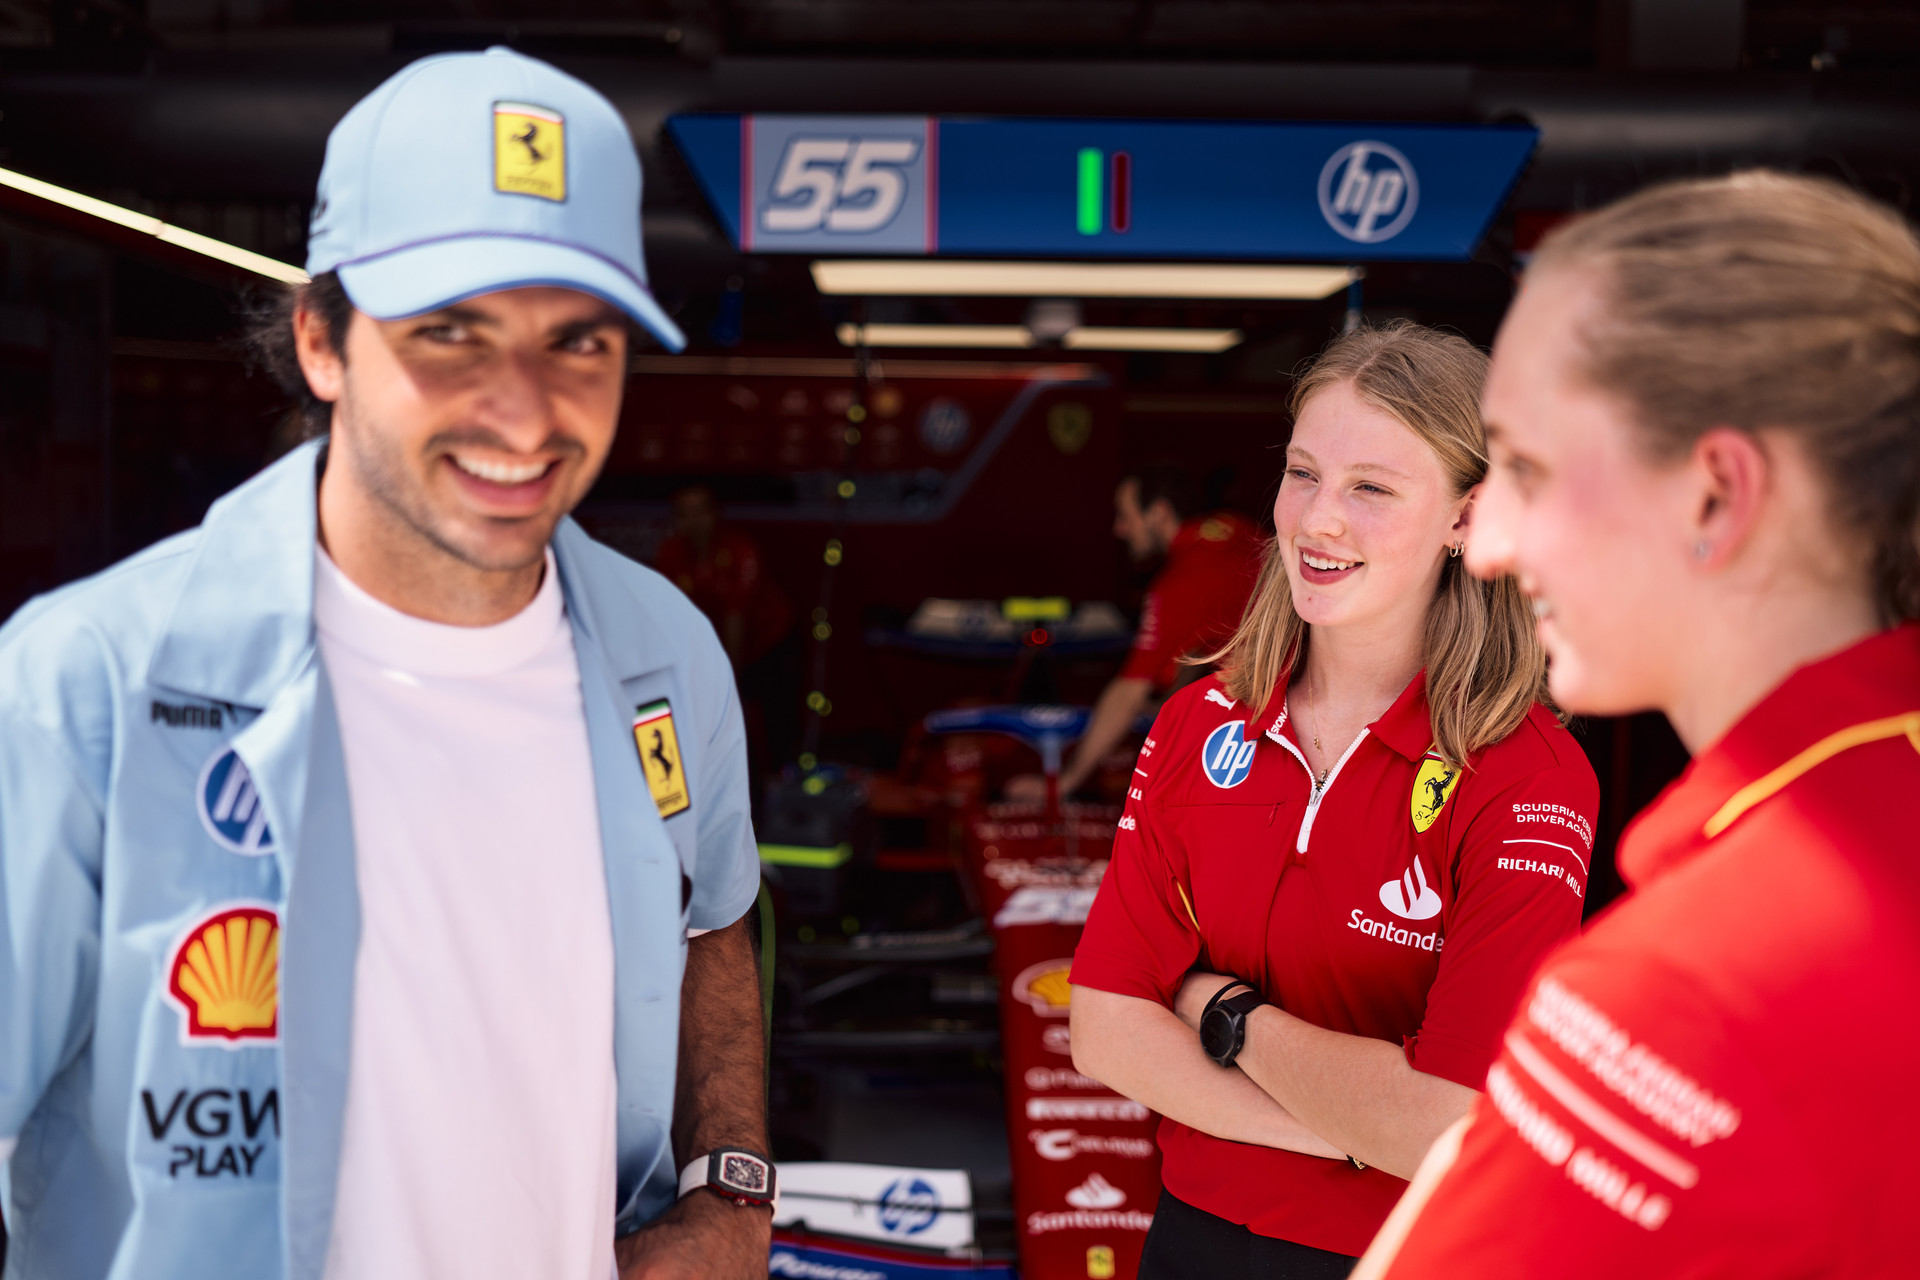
(1411, 897)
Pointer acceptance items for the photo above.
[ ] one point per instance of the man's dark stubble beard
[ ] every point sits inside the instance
(382, 470)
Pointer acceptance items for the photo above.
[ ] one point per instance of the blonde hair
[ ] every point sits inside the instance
(1766, 300)
(1485, 667)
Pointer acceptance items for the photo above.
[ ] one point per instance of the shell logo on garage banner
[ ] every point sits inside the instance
(1045, 988)
(1086, 1170)
(225, 977)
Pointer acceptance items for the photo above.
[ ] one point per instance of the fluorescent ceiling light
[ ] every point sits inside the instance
(1207, 340)
(959, 278)
(207, 246)
(1014, 335)
(934, 335)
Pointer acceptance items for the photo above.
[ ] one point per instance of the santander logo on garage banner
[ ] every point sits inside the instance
(1093, 1205)
(1085, 1164)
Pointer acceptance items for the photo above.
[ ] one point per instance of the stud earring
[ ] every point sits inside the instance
(1701, 550)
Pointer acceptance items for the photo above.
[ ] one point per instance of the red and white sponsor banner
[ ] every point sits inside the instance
(1086, 1171)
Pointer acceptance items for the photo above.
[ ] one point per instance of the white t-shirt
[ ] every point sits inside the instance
(481, 1106)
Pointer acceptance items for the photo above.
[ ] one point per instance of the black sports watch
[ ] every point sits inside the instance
(742, 1176)
(1223, 1023)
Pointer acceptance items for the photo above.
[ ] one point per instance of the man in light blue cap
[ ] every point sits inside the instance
(374, 858)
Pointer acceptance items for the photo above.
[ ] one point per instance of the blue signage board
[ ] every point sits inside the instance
(815, 1259)
(1103, 188)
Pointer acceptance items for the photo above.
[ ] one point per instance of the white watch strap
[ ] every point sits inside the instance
(694, 1176)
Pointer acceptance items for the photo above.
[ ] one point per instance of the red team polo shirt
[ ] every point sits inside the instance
(1719, 1079)
(1407, 902)
(1197, 598)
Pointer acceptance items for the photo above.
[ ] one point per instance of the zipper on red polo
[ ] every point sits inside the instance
(1320, 786)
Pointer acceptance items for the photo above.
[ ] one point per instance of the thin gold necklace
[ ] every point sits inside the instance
(1318, 750)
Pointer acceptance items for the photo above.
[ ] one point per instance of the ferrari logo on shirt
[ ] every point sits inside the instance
(660, 757)
(529, 151)
(1431, 787)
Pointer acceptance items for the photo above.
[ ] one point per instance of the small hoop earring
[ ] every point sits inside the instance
(1701, 550)
(1456, 549)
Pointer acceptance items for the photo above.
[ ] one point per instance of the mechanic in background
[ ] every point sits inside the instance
(1193, 605)
(720, 568)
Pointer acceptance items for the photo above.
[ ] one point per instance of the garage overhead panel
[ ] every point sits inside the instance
(922, 185)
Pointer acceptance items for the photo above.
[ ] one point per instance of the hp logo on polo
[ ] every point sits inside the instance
(230, 807)
(1368, 192)
(1227, 757)
(908, 1208)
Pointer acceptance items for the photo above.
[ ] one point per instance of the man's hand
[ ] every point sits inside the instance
(720, 1101)
(704, 1237)
(1027, 788)
(1119, 705)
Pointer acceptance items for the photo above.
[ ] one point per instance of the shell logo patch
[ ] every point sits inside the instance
(660, 757)
(1045, 987)
(225, 977)
(1431, 787)
(529, 151)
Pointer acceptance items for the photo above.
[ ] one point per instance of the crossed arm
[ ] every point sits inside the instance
(1295, 1086)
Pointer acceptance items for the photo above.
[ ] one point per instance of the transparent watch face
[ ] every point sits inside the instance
(744, 1173)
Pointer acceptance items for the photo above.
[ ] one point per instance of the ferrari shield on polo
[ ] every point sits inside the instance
(1227, 756)
(659, 744)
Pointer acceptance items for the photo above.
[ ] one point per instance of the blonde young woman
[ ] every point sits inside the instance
(1342, 857)
(1705, 408)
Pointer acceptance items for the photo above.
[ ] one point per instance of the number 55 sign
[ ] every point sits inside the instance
(847, 183)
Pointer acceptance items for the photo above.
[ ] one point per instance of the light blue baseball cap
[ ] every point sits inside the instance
(468, 173)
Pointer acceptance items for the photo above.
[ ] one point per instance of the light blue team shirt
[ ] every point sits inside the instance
(178, 910)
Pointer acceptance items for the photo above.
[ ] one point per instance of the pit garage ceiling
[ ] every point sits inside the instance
(213, 113)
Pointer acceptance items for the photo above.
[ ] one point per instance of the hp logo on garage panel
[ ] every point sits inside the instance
(1368, 192)
(1227, 757)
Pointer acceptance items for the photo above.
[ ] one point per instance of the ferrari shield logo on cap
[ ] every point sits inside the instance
(660, 757)
(529, 151)
(1431, 787)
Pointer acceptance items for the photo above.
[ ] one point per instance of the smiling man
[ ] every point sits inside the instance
(373, 858)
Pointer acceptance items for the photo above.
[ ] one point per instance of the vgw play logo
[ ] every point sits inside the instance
(1368, 192)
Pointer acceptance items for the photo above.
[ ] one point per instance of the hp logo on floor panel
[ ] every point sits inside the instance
(1227, 757)
(1368, 192)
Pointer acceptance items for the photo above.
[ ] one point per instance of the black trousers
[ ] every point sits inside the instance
(1186, 1243)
